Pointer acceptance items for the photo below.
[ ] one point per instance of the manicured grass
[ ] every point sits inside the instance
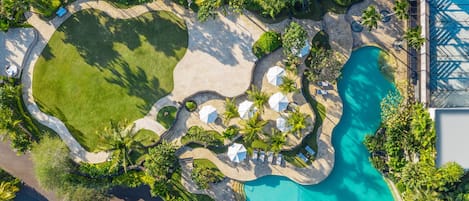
(146, 137)
(166, 116)
(204, 163)
(96, 69)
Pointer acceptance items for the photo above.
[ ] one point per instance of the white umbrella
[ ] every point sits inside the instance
(282, 124)
(208, 114)
(11, 71)
(278, 102)
(246, 109)
(275, 75)
(236, 152)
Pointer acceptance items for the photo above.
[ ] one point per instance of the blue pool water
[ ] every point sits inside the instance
(353, 178)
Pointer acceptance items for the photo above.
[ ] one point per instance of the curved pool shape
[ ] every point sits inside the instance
(353, 178)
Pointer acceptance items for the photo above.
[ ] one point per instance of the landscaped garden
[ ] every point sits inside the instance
(96, 69)
(166, 116)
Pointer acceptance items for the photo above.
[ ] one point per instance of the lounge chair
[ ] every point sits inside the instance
(309, 150)
(321, 92)
(254, 155)
(303, 157)
(61, 12)
(323, 83)
(279, 159)
(262, 156)
(270, 157)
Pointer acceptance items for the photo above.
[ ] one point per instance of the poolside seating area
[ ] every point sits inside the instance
(309, 150)
(302, 157)
(321, 92)
(261, 157)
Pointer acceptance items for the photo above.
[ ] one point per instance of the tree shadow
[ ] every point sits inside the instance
(133, 194)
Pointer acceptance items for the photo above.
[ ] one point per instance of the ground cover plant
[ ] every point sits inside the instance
(166, 116)
(205, 173)
(96, 69)
(267, 43)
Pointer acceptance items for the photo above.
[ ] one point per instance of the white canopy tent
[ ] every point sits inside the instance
(282, 124)
(11, 71)
(246, 109)
(208, 114)
(278, 102)
(275, 75)
(236, 152)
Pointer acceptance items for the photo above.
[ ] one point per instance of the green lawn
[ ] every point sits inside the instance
(96, 69)
(166, 116)
(146, 137)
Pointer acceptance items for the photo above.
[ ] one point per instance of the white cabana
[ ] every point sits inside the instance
(305, 50)
(236, 152)
(275, 75)
(208, 114)
(282, 124)
(278, 102)
(11, 71)
(246, 109)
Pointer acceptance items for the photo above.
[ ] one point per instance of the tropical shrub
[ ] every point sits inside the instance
(231, 132)
(267, 43)
(12, 13)
(190, 105)
(46, 8)
(199, 135)
(161, 161)
(205, 172)
(293, 39)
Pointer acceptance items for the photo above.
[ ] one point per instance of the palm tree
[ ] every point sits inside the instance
(414, 37)
(258, 97)
(231, 111)
(122, 142)
(297, 121)
(252, 128)
(401, 9)
(288, 86)
(371, 17)
(277, 140)
(8, 190)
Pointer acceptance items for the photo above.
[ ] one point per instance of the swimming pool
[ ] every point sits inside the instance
(353, 178)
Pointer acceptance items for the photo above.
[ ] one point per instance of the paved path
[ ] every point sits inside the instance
(14, 45)
(21, 167)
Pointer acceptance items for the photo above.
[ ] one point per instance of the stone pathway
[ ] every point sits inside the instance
(14, 45)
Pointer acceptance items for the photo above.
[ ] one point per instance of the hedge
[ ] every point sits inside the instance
(267, 43)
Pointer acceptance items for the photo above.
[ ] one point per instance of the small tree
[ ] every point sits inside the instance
(277, 140)
(258, 97)
(414, 37)
(8, 190)
(231, 111)
(252, 128)
(207, 9)
(237, 6)
(271, 7)
(288, 86)
(401, 9)
(294, 39)
(297, 121)
(160, 161)
(371, 17)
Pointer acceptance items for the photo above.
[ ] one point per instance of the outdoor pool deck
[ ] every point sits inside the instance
(449, 53)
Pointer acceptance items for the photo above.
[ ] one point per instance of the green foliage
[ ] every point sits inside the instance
(297, 121)
(370, 18)
(98, 170)
(267, 43)
(51, 163)
(231, 110)
(207, 9)
(237, 6)
(401, 9)
(128, 3)
(199, 135)
(276, 140)
(130, 179)
(231, 132)
(205, 172)
(293, 39)
(414, 38)
(259, 97)
(87, 194)
(270, 7)
(252, 128)
(46, 8)
(8, 190)
(288, 85)
(166, 116)
(160, 161)
(190, 105)
(12, 13)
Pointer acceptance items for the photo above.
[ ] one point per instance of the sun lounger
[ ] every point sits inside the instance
(323, 83)
(254, 155)
(270, 157)
(321, 92)
(279, 159)
(303, 157)
(262, 156)
(61, 12)
(309, 150)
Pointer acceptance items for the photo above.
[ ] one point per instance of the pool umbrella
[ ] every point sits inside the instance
(275, 75)
(236, 152)
(278, 102)
(208, 114)
(282, 125)
(246, 109)
(305, 50)
(11, 71)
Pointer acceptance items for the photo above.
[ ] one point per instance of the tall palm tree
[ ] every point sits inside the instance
(231, 111)
(297, 121)
(122, 142)
(414, 37)
(258, 97)
(371, 17)
(252, 128)
(8, 190)
(401, 8)
(277, 140)
(288, 86)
